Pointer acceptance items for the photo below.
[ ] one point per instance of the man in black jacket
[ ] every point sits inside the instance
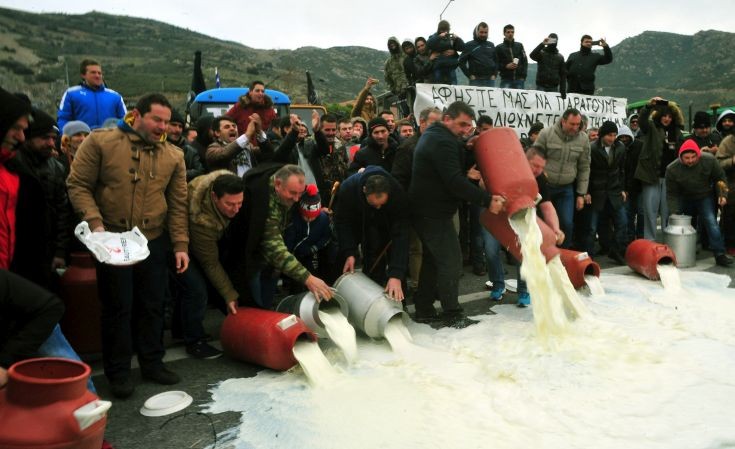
(372, 211)
(438, 185)
(47, 175)
(607, 191)
(552, 72)
(478, 61)
(379, 149)
(174, 134)
(582, 64)
(512, 60)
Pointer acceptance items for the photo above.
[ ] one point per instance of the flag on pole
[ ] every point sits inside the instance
(216, 78)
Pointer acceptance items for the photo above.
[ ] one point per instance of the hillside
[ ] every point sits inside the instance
(141, 55)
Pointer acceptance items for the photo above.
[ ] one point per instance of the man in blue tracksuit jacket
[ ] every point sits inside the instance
(90, 101)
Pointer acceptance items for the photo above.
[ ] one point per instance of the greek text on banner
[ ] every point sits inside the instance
(519, 109)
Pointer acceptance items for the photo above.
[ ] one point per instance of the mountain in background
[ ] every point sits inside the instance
(37, 51)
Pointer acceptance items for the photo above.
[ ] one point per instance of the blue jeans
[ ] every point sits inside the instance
(263, 288)
(563, 199)
(653, 202)
(56, 345)
(705, 211)
(512, 84)
(445, 75)
(620, 224)
(495, 272)
(482, 83)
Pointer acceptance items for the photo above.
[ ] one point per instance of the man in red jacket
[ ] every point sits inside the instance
(14, 113)
(256, 101)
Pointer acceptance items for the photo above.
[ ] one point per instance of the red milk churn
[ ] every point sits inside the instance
(499, 227)
(263, 337)
(644, 255)
(505, 170)
(46, 405)
(578, 265)
(78, 290)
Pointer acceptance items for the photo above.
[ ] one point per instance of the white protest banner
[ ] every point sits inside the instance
(519, 109)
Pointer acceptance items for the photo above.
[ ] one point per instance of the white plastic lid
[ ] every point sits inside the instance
(166, 403)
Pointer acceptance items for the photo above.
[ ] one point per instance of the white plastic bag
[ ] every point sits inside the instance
(125, 248)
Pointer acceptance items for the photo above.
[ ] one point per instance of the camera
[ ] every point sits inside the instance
(662, 102)
(551, 40)
(595, 42)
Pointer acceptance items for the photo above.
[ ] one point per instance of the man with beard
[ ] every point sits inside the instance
(380, 148)
(581, 66)
(230, 152)
(691, 181)
(702, 133)
(725, 123)
(551, 75)
(36, 155)
(174, 134)
(479, 62)
(256, 101)
(423, 63)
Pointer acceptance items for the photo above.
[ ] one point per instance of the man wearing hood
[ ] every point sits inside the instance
(121, 178)
(91, 101)
(512, 60)
(551, 75)
(633, 125)
(582, 64)
(479, 62)
(690, 181)
(256, 101)
(725, 124)
(661, 122)
(423, 63)
(395, 76)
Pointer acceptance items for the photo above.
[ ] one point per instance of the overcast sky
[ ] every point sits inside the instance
(288, 24)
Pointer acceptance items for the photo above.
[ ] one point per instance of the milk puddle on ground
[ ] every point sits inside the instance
(594, 284)
(340, 332)
(648, 368)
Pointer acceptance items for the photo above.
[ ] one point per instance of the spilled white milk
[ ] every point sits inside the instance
(311, 358)
(340, 332)
(594, 284)
(669, 275)
(398, 336)
(649, 369)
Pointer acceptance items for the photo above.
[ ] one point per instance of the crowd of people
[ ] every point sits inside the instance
(246, 207)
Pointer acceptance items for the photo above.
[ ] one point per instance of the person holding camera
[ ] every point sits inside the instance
(445, 46)
(661, 122)
(552, 71)
(581, 66)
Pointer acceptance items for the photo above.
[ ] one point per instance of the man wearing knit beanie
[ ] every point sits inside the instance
(689, 183)
(379, 149)
(702, 133)
(607, 194)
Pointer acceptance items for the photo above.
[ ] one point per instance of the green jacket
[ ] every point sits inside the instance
(567, 157)
(649, 165)
(272, 246)
(395, 76)
(206, 228)
(692, 183)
